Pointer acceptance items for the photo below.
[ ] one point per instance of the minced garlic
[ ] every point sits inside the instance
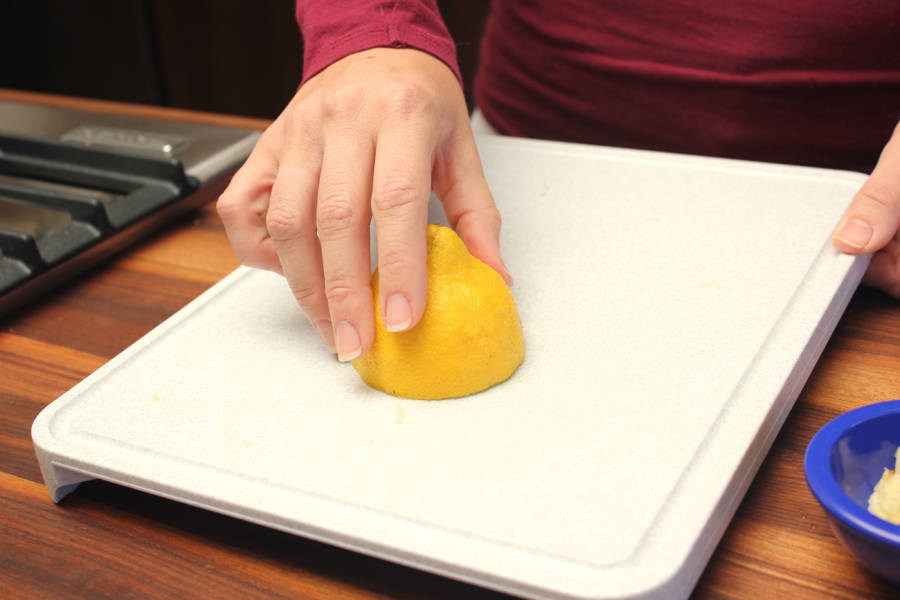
(885, 499)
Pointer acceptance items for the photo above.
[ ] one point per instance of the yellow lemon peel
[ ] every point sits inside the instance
(470, 336)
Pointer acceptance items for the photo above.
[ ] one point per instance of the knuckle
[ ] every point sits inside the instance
(493, 217)
(343, 101)
(338, 291)
(228, 206)
(394, 261)
(404, 98)
(299, 120)
(305, 293)
(395, 193)
(488, 216)
(879, 196)
(283, 223)
(335, 212)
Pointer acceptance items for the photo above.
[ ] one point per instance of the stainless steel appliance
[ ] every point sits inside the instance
(77, 186)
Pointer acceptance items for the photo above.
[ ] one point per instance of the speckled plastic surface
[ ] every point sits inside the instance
(673, 308)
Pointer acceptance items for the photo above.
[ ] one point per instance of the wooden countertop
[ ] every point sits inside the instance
(105, 541)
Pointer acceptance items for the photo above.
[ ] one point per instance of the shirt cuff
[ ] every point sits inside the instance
(329, 41)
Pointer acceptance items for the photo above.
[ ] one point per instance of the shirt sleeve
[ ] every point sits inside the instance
(333, 29)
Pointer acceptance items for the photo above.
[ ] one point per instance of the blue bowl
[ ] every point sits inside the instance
(844, 461)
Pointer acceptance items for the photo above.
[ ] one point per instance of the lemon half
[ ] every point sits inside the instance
(470, 336)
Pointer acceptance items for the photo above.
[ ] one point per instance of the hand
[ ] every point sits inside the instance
(872, 223)
(370, 136)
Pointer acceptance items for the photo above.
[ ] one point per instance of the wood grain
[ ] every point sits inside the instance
(106, 541)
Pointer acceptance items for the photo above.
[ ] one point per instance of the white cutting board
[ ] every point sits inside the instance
(673, 307)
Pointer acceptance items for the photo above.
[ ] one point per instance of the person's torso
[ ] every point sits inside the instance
(800, 81)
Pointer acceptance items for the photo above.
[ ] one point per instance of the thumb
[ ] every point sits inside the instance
(460, 184)
(873, 217)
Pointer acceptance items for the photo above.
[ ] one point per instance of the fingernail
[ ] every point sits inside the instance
(507, 276)
(856, 233)
(348, 346)
(397, 313)
(326, 332)
(503, 271)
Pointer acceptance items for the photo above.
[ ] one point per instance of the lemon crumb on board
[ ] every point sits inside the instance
(400, 416)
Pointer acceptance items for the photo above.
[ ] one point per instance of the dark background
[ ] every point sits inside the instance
(230, 56)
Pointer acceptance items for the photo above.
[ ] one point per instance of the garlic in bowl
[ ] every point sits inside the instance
(844, 462)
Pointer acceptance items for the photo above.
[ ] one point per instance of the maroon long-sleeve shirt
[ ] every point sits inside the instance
(798, 81)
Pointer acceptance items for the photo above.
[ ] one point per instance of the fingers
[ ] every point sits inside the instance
(242, 208)
(884, 270)
(874, 215)
(469, 206)
(872, 223)
(401, 186)
(377, 121)
(291, 223)
(342, 218)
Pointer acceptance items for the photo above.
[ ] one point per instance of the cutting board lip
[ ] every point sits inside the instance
(744, 166)
(629, 579)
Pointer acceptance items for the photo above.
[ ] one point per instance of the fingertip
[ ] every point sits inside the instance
(403, 275)
(347, 342)
(398, 314)
(354, 328)
(326, 331)
(507, 277)
(403, 303)
(494, 261)
(501, 269)
(484, 244)
(853, 236)
(353, 316)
